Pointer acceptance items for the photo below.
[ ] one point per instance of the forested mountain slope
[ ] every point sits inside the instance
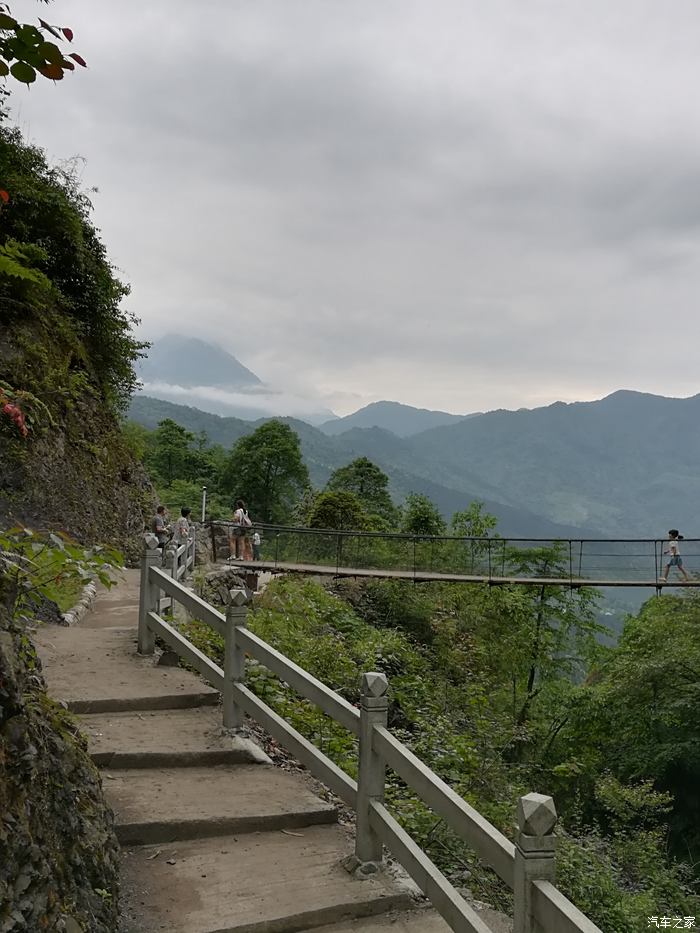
(402, 420)
(627, 464)
(323, 454)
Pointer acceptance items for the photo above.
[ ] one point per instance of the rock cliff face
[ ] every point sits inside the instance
(58, 852)
(74, 471)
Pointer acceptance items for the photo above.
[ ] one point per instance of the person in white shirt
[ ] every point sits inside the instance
(238, 541)
(256, 545)
(675, 555)
(183, 527)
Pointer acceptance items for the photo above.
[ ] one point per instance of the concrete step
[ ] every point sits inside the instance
(99, 670)
(165, 738)
(422, 920)
(156, 805)
(117, 607)
(267, 883)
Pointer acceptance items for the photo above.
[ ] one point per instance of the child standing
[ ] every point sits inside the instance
(674, 539)
(256, 545)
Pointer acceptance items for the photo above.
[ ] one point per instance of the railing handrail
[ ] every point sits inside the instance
(410, 536)
(489, 844)
(539, 904)
(300, 680)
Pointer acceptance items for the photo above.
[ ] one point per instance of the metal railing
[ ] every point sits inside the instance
(562, 561)
(527, 866)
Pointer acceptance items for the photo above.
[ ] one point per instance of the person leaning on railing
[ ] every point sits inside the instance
(238, 540)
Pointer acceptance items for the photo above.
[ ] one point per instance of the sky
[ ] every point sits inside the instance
(449, 203)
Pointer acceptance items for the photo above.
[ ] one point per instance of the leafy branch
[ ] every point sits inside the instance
(26, 50)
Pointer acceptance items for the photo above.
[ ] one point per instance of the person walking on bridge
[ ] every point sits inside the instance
(675, 560)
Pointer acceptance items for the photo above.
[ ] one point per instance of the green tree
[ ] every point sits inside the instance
(51, 257)
(473, 522)
(420, 516)
(137, 438)
(170, 452)
(639, 715)
(266, 469)
(368, 483)
(339, 510)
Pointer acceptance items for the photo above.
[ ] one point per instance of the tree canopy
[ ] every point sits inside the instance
(368, 483)
(420, 516)
(266, 469)
(337, 509)
(52, 260)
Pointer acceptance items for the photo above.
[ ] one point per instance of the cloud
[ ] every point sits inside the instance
(456, 205)
(260, 402)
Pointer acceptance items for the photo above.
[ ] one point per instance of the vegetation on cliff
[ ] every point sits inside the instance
(66, 372)
(66, 360)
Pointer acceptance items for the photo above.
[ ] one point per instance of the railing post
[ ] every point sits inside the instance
(374, 705)
(148, 600)
(534, 855)
(234, 659)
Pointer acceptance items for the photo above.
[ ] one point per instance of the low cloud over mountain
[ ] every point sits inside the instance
(189, 371)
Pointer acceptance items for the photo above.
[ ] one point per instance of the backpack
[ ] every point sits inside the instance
(245, 520)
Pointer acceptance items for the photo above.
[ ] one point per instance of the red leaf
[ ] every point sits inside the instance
(4, 196)
(55, 72)
(78, 58)
(67, 32)
(69, 66)
(53, 32)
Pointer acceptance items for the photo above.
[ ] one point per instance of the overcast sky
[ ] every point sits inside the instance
(455, 204)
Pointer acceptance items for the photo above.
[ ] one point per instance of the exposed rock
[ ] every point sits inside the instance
(76, 472)
(58, 852)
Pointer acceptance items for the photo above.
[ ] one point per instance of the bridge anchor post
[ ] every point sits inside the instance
(374, 706)
(535, 846)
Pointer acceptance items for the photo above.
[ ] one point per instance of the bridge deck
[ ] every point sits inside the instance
(423, 576)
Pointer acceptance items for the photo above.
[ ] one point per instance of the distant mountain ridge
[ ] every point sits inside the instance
(189, 361)
(323, 454)
(401, 420)
(627, 465)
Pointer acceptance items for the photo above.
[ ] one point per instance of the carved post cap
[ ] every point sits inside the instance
(374, 684)
(238, 597)
(537, 814)
(151, 541)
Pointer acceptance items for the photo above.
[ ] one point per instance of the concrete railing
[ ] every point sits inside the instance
(527, 867)
(179, 559)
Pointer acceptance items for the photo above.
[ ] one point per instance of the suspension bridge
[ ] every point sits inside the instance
(573, 562)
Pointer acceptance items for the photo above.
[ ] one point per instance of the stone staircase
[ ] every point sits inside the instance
(215, 838)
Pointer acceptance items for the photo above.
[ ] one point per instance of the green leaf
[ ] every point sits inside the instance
(51, 53)
(23, 72)
(7, 22)
(29, 35)
(4, 70)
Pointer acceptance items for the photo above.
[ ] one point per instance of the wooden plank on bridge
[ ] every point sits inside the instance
(422, 576)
